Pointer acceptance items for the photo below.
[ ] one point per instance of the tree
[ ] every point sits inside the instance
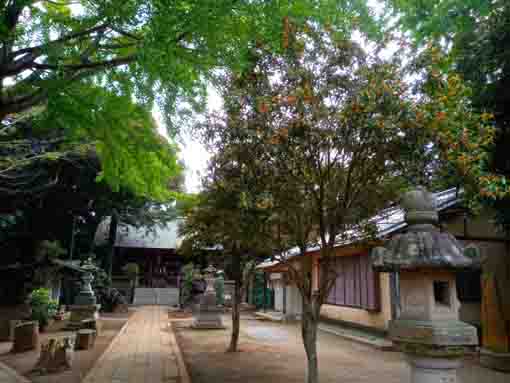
(226, 213)
(57, 197)
(477, 37)
(158, 51)
(326, 125)
(85, 62)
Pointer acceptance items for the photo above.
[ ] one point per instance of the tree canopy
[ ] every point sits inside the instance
(475, 36)
(93, 66)
(321, 136)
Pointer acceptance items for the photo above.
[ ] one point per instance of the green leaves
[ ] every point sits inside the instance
(132, 153)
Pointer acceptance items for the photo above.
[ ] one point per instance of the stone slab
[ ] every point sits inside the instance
(437, 333)
(499, 361)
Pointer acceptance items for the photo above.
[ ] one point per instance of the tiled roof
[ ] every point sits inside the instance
(387, 222)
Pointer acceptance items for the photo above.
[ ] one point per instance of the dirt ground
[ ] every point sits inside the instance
(83, 360)
(274, 352)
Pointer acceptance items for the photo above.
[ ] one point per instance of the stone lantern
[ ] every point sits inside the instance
(207, 314)
(428, 329)
(85, 307)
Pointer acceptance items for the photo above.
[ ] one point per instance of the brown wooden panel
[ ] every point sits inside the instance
(349, 281)
(374, 289)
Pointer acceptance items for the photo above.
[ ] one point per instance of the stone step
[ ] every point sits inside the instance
(156, 296)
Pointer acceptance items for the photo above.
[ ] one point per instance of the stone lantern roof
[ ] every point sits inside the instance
(423, 245)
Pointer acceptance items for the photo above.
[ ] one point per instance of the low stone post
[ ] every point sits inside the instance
(428, 330)
(85, 339)
(26, 336)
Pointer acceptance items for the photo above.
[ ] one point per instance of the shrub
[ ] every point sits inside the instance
(188, 272)
(43, 307)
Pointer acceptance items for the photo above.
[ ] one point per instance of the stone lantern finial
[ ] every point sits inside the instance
(420, 207)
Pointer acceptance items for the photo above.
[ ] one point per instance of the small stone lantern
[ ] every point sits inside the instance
(85, 306)
(428, 329)
(207, 314)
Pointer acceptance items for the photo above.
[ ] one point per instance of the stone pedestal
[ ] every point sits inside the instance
(434, 347)
(79, 313)
(207, 315)
(85, 339)
(433, 370)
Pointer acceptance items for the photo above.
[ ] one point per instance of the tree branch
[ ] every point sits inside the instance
(71, 36)
(92, 65)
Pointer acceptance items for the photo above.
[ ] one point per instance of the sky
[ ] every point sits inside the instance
(192, 152)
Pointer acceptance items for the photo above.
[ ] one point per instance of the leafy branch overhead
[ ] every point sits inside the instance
(89, 63)
(156, 50)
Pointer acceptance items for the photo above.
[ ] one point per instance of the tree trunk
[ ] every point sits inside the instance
(309, 324)
(236, 269)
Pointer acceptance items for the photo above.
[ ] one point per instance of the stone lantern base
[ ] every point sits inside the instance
(79, 313)
(434, 349)
(207, 315)
(433, 370)
(496, 360)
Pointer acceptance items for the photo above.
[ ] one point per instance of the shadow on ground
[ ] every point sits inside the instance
(83, 361)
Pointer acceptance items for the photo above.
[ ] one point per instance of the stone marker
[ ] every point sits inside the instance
(26, 336)
(207, 314)
(56, 354)
(428, 329)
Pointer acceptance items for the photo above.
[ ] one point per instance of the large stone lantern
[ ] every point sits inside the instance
(428, 329)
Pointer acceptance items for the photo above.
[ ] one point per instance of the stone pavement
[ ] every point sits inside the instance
(8, 375)
(146, 351)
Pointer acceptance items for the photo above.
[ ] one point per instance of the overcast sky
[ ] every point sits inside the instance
(194, 155)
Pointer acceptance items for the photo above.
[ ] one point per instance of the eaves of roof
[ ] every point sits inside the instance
(388, 221)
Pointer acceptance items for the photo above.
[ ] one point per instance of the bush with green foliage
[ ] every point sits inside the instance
(189, 274)
(43, 307)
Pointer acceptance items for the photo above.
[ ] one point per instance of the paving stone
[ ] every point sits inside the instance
(143, 353)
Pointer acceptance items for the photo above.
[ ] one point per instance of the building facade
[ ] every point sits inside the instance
(365, 298)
